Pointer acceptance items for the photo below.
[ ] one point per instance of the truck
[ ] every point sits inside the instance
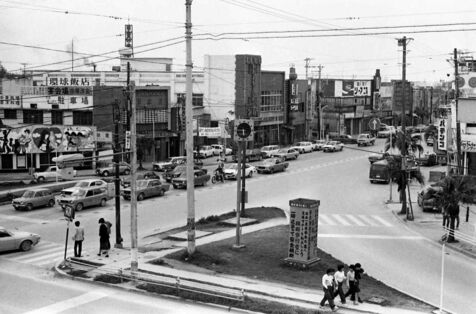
(54, 173)
(365, 139)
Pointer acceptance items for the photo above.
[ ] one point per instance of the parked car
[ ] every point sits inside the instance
(286, 154)
(389, 129)
(303, 147)
(124, 168)
(379, 172)
(344, 138)
(269, 150)
(317, 144)
(377, 156)
(206, 151)
(79, 198)
(148, 175)
(365, 139)
(169, 164)
(251, 155)
(17, 240)
(147, 188)
(426, 198)
(231, 171)
(91, 183)
(200, 178)
(272, 165)
(218, 149)
(427, 159)
(177, 171)
(34, 198)
(333, 146)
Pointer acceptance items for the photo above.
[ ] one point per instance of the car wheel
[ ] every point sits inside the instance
(161, 193)
(40, 179)
(51, 203)
(26, 245)
(247, 159)
(105, 173)
(103, 202)
(127, 172)
(29, 206)
(140, 197)
(271, 171)
(251, 174)
(79, 207)
(372, 181)
(296, 157)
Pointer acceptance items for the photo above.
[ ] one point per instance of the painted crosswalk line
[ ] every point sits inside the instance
(353, 220)
(45, 253)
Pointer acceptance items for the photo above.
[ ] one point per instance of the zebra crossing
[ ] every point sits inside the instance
(353, 220)
(43, 254)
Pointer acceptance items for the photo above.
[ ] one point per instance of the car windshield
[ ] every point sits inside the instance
(233, 167)
(265, 149)
(82, 184)
(269, 161)
(283, 151)
(363, 136)
(331, 143)
(141, 183)
(28, 194)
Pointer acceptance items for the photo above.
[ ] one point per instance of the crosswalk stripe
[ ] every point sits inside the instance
(341, 220)
(47, 256)
(368, 220)
(30, 255)
(35, 249)
(383, 221)
(355, 220)
(326, 220)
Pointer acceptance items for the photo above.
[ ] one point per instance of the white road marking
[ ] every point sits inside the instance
(370, 236)
(71, 303)
(383, 221)
(368, 220)
(341, 220)
(326, 220)
(355, 220)
(23, 219)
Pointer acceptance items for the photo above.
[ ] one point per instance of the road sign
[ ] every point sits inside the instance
(374, 124)
(128, 139)
(244, 130)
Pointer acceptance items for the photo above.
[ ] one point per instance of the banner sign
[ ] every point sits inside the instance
(468, 143)
(209, 132)
(57, 90)
(442, 126)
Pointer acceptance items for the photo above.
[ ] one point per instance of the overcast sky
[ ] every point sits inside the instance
(97, 27)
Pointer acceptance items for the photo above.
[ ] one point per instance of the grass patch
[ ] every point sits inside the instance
(110, 279)
(263, 259)
(261, 306)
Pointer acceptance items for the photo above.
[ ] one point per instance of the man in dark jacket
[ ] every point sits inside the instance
(104, 244)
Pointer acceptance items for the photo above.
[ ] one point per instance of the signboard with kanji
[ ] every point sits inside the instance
(441, 142)
(303, 228)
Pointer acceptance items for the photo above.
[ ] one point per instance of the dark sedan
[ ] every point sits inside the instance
(344, 138)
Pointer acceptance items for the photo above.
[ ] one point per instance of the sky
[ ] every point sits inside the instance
(329, 32)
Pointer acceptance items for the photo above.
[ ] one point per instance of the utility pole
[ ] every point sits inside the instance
(319, 88)
(458, 125)
(189, 132)
(308, 99)
(431, 103)
(134, 260)
(72, 55)
(117, 179)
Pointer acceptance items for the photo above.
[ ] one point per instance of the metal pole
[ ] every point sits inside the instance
(442, 272)
(238, 197)
(391, 181)
(134, 260)
(189, 132)
(66, 241)
(153, 135)
(321, 132)
(243, 179)
(458, 125)
(117, 179)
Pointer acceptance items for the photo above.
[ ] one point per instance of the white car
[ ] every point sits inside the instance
(91, 183)
(333, 146)
(268, 151)
(169, 163)
(17, 240)
(231, 171)
(206, 151)
(303, 147)
(317, 144)
(387, 131)
(217, 149)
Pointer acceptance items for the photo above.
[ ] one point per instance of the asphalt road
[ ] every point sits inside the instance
(29, 290)
(354, 224)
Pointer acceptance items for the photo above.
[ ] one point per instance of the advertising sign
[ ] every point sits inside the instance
(350, 88)
(468, 143)
(209, 132)
(442, 126)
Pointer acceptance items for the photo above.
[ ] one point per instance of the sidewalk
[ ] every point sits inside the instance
(430, 225)
(176, 271)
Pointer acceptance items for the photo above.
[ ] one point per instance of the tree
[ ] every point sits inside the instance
(454, 189)
(402, 173)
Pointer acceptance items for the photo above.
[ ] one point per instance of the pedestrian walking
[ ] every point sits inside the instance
(351, 284)
(328, 287)
(359, 271)
(340, 280)
(78, 238)
(104, 244)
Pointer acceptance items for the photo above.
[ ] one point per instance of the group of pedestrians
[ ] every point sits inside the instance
(333, 285)
(104, 233)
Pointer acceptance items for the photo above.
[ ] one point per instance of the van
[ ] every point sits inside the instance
(79, 198)
(268, 151)
(379, 172)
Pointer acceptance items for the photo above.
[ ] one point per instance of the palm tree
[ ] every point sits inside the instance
(404, 145)
(454, 189)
